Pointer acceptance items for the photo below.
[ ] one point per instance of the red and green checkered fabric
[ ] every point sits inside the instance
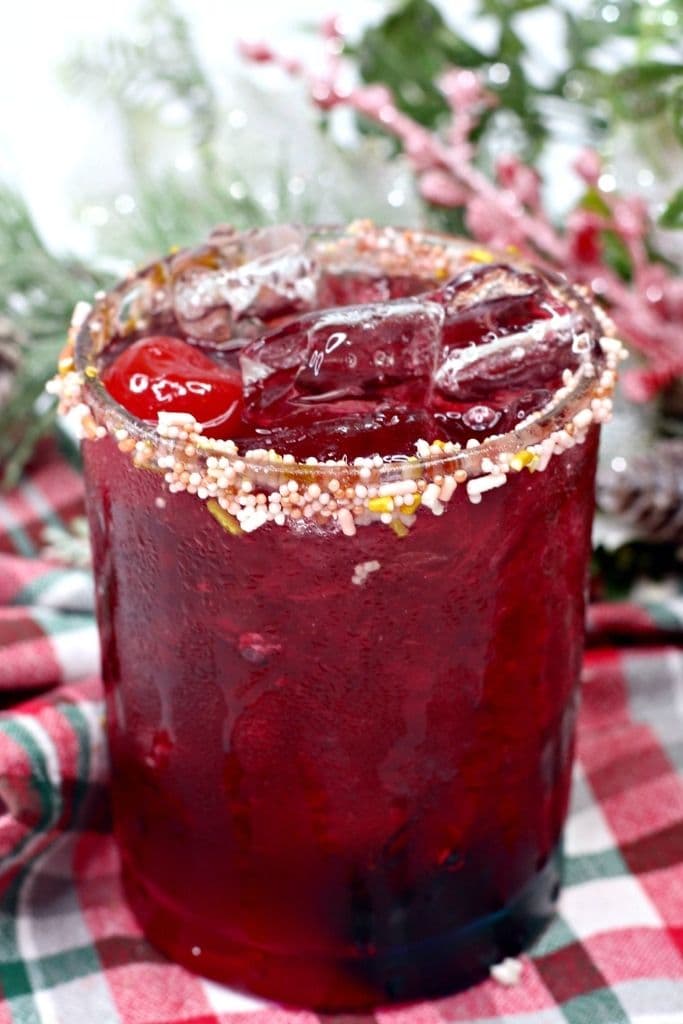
(70, 950)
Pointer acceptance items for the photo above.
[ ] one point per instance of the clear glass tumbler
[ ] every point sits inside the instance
(341, 747)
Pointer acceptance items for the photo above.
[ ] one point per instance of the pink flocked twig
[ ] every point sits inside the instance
(647, 310)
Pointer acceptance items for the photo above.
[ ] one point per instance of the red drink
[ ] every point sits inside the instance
(341, 724)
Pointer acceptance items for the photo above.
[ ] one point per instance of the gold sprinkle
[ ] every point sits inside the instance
(227, 521)
(523, 459)
(385, 504)
(90, 372)
(411, 504)
(399, 528)
(173, 250)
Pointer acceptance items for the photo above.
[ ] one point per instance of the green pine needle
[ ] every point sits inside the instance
(38, 291)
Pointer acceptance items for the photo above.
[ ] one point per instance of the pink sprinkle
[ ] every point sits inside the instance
(448, 489)
(346, 522)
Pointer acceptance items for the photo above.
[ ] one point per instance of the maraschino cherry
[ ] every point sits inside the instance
(165, 374)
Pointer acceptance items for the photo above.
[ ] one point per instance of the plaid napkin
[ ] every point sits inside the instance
(70, 950)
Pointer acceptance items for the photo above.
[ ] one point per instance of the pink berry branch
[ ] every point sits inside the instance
(508, 211)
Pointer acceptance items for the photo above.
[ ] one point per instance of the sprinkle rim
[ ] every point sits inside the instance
(368, 488)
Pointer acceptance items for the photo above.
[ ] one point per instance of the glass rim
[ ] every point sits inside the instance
(561, 412)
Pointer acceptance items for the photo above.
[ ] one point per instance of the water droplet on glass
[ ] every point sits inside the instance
(257, 649)
(162, 745)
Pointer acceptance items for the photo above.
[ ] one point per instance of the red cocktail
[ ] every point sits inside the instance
(341, 592)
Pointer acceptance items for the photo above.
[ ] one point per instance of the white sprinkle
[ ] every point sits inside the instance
(363, 570)
(546, 452)
(508, 972)
(477, 487)
(80, 313)
(254, 520)
(175, 419)
(431, 495)
(160, 502)
(583, 419)
(397, 487)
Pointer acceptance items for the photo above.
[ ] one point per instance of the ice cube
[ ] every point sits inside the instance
(486, 282)
(369, 352)
(261, 274)
(505, 329)
(364, 347)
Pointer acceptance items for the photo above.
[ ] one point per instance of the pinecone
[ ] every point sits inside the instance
(11, 344)
(645, 491)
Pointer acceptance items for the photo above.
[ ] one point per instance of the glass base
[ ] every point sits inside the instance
(437, 966)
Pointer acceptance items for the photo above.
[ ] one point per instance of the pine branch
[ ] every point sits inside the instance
(139, 80)
(38, 291)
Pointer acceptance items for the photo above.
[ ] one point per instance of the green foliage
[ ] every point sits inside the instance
(648, 83)
(38, 290)
(388, 53)
(407, 51)
(140, 75)
(672, 217)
